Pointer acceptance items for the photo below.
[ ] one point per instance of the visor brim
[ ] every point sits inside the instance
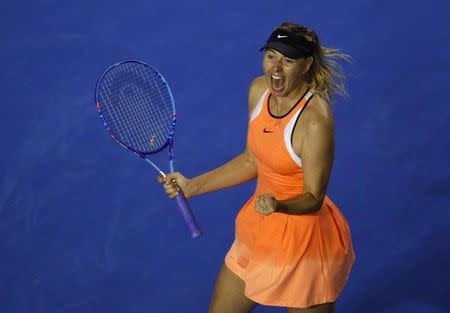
(284, 48)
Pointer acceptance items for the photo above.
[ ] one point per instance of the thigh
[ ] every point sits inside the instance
(321, 308)
(229, 295)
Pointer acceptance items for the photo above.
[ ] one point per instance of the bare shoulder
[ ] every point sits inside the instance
(315, 129)
(257, 89)
(318, 115)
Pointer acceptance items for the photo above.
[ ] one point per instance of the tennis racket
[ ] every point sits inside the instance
(138, 110)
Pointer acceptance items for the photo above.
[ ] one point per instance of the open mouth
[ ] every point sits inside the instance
(277, 82)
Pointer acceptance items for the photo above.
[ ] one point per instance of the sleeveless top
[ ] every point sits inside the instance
(284, 259)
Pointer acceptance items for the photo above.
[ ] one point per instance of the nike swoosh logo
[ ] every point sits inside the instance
(267, 131)
(281, 36)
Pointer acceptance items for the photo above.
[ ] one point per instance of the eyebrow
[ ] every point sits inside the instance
(275, 51)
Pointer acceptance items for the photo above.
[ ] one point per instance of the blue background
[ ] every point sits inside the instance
(85, 227)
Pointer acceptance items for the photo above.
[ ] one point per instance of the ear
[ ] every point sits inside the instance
(308, 63)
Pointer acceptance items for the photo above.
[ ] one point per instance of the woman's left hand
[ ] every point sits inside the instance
(266, 204)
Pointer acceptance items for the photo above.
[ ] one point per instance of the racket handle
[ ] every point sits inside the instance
(186, 211)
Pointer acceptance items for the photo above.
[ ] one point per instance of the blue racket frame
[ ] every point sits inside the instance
(180, 199)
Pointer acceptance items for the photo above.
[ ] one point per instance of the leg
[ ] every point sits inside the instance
(229, 294)
(321, 308)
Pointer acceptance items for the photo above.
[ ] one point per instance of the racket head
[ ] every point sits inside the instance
(136, 105)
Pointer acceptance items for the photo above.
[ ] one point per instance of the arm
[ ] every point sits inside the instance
(239, 170)
(317, 161)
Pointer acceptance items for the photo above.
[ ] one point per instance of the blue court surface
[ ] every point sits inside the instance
(86, 228)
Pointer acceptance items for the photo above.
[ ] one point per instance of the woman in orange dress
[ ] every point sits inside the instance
(292, 246)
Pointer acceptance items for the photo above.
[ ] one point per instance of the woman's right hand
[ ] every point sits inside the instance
(173, 182)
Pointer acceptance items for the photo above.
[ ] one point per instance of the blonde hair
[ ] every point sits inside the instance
(325, 75)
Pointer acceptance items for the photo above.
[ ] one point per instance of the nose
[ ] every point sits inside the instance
(276, 64)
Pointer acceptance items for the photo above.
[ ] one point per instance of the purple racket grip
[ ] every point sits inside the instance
(185, 209)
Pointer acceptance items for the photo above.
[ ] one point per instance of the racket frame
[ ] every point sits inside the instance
(180, 199)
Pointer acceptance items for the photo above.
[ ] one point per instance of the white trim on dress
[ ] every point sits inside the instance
(259, 106)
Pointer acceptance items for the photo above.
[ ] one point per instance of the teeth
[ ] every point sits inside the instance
(276, 77)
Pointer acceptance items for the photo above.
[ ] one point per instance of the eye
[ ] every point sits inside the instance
(288, 61)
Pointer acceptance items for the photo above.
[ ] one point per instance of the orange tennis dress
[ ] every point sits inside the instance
(287, 260)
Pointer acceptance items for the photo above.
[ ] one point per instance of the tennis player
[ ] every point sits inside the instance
(292, 244)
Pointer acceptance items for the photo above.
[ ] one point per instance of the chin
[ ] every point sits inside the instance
(280, 93)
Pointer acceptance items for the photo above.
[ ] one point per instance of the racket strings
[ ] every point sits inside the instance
(139, 106)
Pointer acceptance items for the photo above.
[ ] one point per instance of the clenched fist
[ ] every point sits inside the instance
(266, 204)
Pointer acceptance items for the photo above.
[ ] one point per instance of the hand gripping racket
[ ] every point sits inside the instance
(137, 108)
